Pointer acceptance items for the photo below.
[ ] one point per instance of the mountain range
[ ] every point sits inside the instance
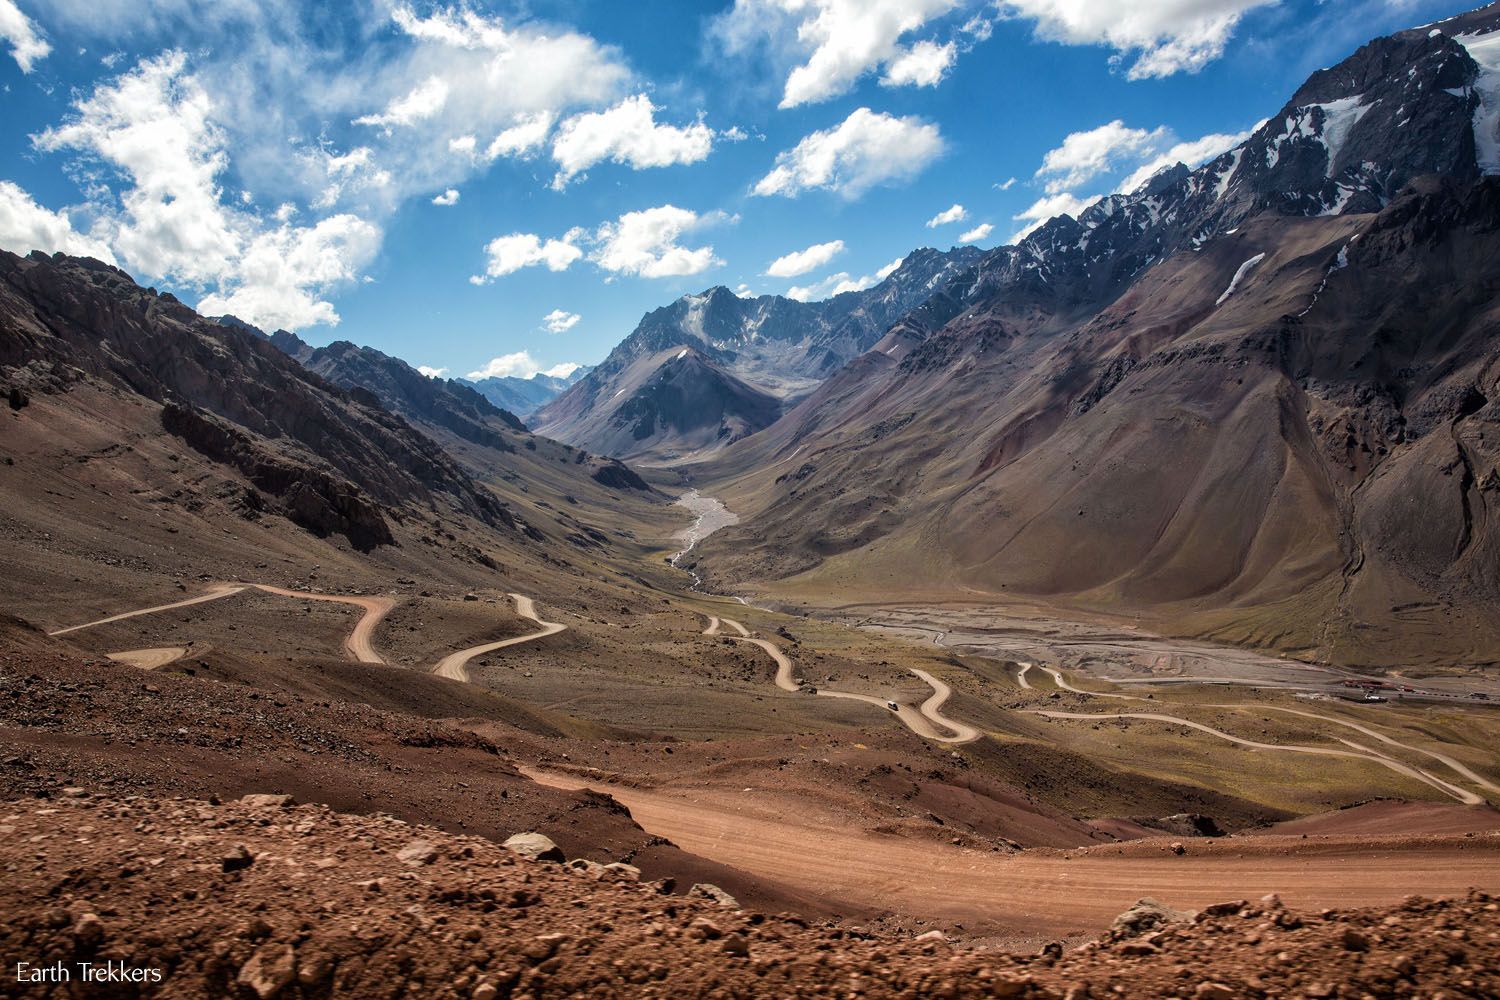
(710, 369)
(1255, 401)
(524, 396)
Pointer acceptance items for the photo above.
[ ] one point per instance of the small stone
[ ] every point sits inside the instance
(544, 946)
(1146, 915)
(1353, 940)
(535, 846)
(56, 917)
(706, 928)
(237, 858)
(620, 870)
(1139, 948)
(932, 936)
(485, 991)
(736, 945)
(75, 793)
(89, 930)
(417, 853)
(1177, 847)
(270, 970)
(267, 801)
(314, 969)
(1209, 990)
(709, 891)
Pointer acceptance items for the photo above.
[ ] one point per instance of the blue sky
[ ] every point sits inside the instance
(509, 186)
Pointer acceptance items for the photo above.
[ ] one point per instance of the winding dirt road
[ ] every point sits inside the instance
(925, 720)
(1463, 795)
(1362, 753)
(1038, 895)
(454, 666)
(359, 644)
(214, 593)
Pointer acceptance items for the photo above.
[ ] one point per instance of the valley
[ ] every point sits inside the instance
(1107, 612)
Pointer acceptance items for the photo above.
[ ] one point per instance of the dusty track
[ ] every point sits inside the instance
(454, 666)
(1464, 796)
(360, 643)
(1461, 794)
(925, 720)
(214, 593)
(1041, 894)
(150, 659)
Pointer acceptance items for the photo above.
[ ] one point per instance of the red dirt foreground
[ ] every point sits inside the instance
(262, 898)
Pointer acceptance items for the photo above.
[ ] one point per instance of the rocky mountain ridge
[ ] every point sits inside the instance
(1211, 398)
(303, 442)
(756, 355)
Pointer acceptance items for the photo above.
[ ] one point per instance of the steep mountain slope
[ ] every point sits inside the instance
(491, 443)
(146, 446)
(1253, 401)
(303, 444)
(524, 396)
(753, 356)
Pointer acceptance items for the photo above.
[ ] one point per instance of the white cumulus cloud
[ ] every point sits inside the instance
(923, 65)
(800, 262)
(835, 42)
(432, 372)
(1194, 153)
(1085, 155)
(1133, 154)
(424, 101)
(520, 365)
(626, 133)
(18, 31)
(843, 281)
(646, 244)
(560, 321)
(27, 226)
(978, 234)
(1162, 36)
(155, 126)
(866, 149)
(1045, 209)
(955, 214)
(448, 197)
(508, 254)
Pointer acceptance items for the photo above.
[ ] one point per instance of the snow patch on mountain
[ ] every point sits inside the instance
(1239, 276)
(1485, 50)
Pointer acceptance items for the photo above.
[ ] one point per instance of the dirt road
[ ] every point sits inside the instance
(925, 720)
(1361, 753)
(454, 666)
(360, 643)
(1044, 894)
(1463, 795)
(150, 659)
(214, 593)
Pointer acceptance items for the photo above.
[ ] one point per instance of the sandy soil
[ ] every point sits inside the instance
(1041, 894)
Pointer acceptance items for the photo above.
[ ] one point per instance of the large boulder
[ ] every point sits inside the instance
(535, 846)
